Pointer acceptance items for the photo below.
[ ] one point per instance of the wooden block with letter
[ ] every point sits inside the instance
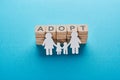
(82, 29)
(61, 32)
(40, 31)
(71, 28)
(52, 30)
(83, 33)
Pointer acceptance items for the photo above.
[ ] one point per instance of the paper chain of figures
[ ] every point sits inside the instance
(47, 39)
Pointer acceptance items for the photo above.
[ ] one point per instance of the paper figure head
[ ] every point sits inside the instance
(74, 34)
(48, 35)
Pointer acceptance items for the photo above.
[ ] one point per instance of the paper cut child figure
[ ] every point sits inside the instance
(48, 43)
(74, 42)
(58, 50)
(65, 48)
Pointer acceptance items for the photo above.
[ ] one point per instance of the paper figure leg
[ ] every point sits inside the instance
(47, 51)
(73, 50)
(77, 51)
(66, 51)
(50, 51)
(58, 53)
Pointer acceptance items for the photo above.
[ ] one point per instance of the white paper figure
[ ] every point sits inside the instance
(74, 42)
(65, 48)
(48, 43)
(58, 50)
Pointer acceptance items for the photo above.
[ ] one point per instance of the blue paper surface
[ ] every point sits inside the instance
(21, 59)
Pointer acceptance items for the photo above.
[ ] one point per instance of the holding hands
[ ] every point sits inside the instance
(74, 44)
(59, 48)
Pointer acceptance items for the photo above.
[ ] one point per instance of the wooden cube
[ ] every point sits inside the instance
(83, 42)
(83, 39)
(52, 30)
(61, 30)
(39, 41)
(68, 40)
(83, 36)
(61, 40)
(40, 31)
(61, 33)
(68, 36)
(82, 29)
(61, 37)
(71, 28)
(55, 41)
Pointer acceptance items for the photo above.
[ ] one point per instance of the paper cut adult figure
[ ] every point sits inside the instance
(58, 50)
(48, 43)
(65, 48)
(74, 42)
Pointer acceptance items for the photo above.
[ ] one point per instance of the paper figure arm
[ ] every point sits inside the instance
(43, 42)
(54, 43)
(69, 43)
(79, 41)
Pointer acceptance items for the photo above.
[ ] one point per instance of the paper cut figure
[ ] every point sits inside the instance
(65, 48)
(49, 44)
(58, 50)
(74, 42)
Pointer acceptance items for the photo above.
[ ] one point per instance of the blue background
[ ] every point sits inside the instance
(21, 59)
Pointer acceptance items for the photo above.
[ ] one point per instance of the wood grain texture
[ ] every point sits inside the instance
(82, 29)
(61, 33)
(40, 31)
